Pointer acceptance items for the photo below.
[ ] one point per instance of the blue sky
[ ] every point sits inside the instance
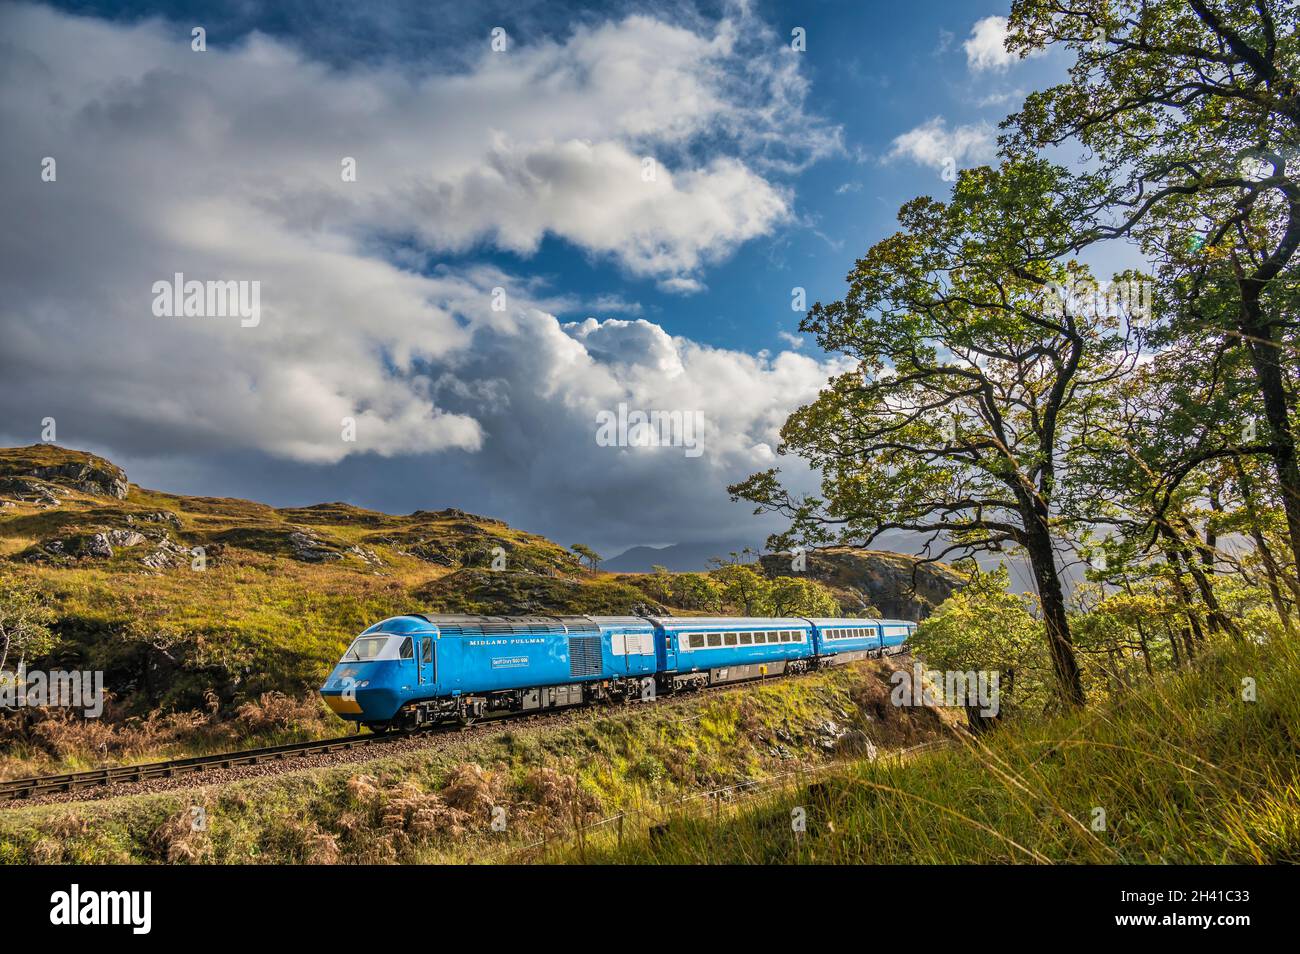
(876, 70)
(779, 170)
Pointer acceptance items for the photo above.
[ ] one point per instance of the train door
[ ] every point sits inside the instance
(635, 647)
(628, 646)
(428, 669)
(666, 650)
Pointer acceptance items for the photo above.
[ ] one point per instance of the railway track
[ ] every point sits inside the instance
(21, 788)
(24, 788)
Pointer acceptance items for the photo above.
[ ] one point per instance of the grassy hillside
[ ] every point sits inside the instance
(549, 778)
(211, 616)
(1185, 770)
(275, 597)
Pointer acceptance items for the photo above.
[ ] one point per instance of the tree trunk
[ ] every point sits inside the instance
(1173, 645)
(1266, 359)
(1146, 652)
(1042, 559)
(1184, 597)
(1217, 619)
(1271, 571)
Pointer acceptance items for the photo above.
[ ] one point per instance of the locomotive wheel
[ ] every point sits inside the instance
(465, 719)
(379, 728)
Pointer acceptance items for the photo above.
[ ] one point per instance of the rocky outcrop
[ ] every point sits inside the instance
(898, 586)
(167, 553)
(124, 538)
(32, 490)
(365, 555)
(101, 478)
(157, 516)
(50, 464)
(309, 549)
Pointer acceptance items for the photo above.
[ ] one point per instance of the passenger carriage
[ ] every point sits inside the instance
(844, 640)
(700, 652)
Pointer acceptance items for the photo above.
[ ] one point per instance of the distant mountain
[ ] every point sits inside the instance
(694, 557)
(678, 557)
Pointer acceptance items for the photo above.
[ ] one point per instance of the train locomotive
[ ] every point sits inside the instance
(421, 669)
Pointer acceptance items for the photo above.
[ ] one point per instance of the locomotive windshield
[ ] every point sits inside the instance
(365, 648)
(372, 648)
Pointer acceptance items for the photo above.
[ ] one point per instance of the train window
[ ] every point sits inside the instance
(746, 639)
(426, 649)
(408, 648)
(773, 637)
(715, 639)
(697, 640)
(365, 648)
(731, 639)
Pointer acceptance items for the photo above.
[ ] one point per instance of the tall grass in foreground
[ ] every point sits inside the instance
(1183, 769)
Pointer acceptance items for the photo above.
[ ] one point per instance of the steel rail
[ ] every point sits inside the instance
(113, 774)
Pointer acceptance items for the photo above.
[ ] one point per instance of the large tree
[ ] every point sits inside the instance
(1191, 111)
(980, 351)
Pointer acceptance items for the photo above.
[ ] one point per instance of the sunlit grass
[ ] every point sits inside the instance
(1185, 770)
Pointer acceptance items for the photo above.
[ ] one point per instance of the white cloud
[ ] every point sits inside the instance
(681, 285)
(175, 161)
(933, 144)
(986, 47)
(226, 165)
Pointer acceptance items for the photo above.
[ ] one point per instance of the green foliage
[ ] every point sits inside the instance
(799, 596)
(25, 618)
(587, 553)
(985, 627)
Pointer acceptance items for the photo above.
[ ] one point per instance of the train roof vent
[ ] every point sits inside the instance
(457, 624)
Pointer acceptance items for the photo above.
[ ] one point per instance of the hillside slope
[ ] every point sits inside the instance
(1186, 769)
(437, 802)
(190, 602)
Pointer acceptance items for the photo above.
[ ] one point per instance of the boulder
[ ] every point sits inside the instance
(311, 550)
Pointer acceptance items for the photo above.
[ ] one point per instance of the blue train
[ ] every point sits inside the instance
(420, 669)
